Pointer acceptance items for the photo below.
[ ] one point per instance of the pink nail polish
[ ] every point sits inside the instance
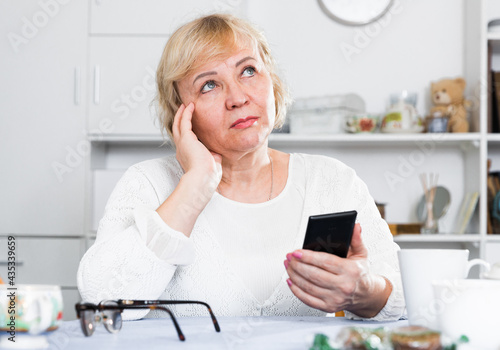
(289, 257)
(289, 281)
(298, 255)
(286, 264)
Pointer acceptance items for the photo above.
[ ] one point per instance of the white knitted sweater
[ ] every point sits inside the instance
(137, 256)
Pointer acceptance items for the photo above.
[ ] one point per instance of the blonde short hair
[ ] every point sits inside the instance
(210, 38)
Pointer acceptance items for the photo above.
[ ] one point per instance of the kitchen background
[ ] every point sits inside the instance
(78, 78)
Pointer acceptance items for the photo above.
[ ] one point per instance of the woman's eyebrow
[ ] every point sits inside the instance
(243, 60)
(204, 75)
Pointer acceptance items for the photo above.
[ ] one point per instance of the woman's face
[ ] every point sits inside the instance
(234, 102)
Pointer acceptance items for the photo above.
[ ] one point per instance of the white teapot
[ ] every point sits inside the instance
(402, 116)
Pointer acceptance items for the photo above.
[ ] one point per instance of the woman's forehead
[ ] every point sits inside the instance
(230, 59)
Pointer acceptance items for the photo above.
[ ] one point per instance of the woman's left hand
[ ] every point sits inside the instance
(330, 283)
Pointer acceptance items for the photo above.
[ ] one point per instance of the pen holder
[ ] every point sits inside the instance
(430, 225)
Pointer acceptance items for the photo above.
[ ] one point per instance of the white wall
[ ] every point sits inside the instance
(419, 42)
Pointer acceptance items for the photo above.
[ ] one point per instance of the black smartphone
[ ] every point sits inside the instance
(330, 233)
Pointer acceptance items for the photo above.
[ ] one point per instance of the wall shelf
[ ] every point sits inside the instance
(494, 36)
(493, 238)
(378, 138)
(493, 138)
(437, 238)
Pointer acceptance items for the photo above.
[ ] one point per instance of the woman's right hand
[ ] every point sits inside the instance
(192, 155)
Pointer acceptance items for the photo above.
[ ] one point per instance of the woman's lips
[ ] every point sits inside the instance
(244, 123)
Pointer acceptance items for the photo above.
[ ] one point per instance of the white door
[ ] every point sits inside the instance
(43, 49)
(123, 85)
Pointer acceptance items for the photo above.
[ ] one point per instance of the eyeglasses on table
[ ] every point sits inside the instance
(109, 313)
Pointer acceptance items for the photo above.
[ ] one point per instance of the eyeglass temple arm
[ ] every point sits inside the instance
(173, 302)
(174, 321)
(154, 307)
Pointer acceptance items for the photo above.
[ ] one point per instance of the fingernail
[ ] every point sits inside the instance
(289, 257)
(298, 255)
(286, 264)
(289, 281)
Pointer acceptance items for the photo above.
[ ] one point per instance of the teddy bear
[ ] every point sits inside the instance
(448, 98)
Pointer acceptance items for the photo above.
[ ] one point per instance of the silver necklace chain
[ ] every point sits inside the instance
(272, 179)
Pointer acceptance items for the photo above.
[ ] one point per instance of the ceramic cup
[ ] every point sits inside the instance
(419, 267)
(361, 123)
(494, 273)
(30, 308)
(470, 308)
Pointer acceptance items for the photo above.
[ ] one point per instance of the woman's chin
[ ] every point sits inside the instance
(250, 141)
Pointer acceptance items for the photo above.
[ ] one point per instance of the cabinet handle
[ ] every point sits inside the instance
(6, 263)
(97, 79)
(78, 88)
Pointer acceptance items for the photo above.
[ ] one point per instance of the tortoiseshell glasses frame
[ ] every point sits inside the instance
(109, 312)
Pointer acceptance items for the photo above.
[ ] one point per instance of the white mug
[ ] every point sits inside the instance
(419, 267)
(471, 308)
(30, 308)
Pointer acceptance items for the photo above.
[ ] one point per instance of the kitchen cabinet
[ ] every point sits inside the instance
(42, 109)
(43, 143)
(149, 17)
(47, 260)
(123, 70)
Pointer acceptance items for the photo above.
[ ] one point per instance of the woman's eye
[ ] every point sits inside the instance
(248, 71)
(208, 86)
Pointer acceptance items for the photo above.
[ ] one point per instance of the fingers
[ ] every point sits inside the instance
(177, 118)
(310, 273)
(321, 280)
(187, 116)
(357, 248)
(325, 296)
(182, 121)
(305, 297)
(328, 262)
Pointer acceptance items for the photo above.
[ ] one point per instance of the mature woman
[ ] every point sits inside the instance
(224, 219)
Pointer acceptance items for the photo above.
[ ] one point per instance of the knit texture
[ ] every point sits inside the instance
(137, 256)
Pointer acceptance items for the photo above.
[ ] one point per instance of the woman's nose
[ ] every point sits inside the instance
(236, 96)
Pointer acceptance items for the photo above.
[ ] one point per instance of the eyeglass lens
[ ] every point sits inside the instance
(112, 318)
(87, 322)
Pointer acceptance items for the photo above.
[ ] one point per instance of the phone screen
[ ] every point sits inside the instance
(330, 233)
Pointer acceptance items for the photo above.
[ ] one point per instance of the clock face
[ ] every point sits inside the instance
(355, 12)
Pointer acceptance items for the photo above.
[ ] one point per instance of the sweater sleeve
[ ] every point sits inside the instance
(136, 253)
(382, 250)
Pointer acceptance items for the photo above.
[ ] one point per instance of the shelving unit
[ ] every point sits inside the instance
(477, 39)
(278, 138)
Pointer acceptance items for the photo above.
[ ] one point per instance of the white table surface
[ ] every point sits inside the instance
(236, 333)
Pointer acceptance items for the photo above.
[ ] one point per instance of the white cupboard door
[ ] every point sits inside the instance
(123, 85)
(47, 260)
(42, 120)
(151, 16)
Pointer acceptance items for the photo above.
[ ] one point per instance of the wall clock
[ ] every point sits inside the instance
(355, 12)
